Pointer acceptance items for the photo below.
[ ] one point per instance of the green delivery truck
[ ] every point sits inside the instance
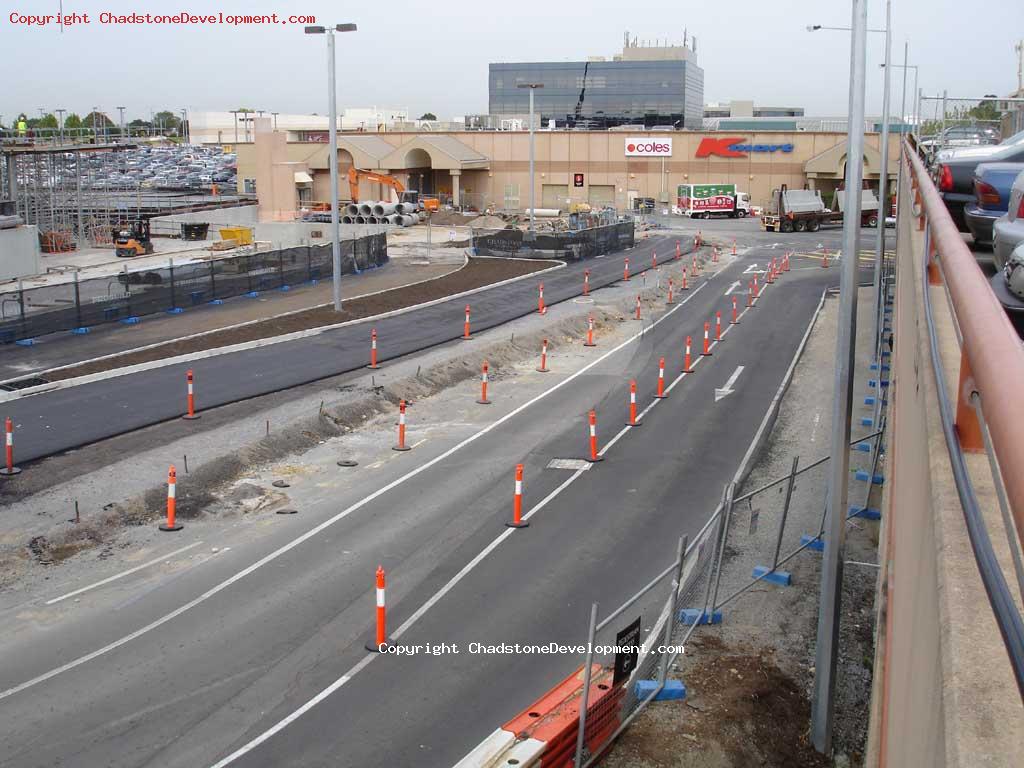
(702, 201)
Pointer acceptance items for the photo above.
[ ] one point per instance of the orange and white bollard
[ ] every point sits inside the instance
(638, 307)
(785, 263)
(750, 293)
(483, 385)
(693, 267)
(594, 457)
(707, 340)
(632, 405)
(401, 428)
(718, 325)
(380, 635)
(670, 286)
(543, 368)
(679, 251)
(687, 362)
(824, 259)
(685, 286)
(373, 349)
(9, 469)
(661, 380)
(465, 328)
(625, 270)
(734, 246)
(654, 260)
(517, 501)
(540, 300)
(735, 316)
(190, 399)
(699, 240)
(586, 282)
(714, 254)
(172, 480)
(769, 274)
(757, 289)
(590, 333)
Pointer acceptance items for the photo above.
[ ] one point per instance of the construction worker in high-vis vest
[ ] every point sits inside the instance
(22, 126)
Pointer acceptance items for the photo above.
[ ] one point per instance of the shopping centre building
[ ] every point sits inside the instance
(490, 169)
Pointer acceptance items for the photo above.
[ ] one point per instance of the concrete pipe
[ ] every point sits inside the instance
(372, 220)
(352, 209)
(365, 209)
(543, 213)
(406, 209)
(395, 218)
(384, 209)
(408, 221)
(360, 219)
(346, 219)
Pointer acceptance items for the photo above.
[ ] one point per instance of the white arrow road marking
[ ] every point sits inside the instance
(752, 269)
(732, 287)
(727, 389)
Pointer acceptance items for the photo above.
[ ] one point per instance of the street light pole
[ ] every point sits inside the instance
(533, 186)
(60, 114)
(827, 642)
(121, 110)
(333, 154)
(883, 182)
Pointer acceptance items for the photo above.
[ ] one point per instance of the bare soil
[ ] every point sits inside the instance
(749, 713)
(476, 274)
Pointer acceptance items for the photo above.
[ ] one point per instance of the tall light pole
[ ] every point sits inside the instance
(121, 110)
(184, 125)
(827, 643)
(333, 153)
(533, 87)
(60, 125)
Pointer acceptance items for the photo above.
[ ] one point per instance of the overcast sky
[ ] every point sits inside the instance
(432, 55)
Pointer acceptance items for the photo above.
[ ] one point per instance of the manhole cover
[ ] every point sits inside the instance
(571, 464)
(348, 463)
(280, 484)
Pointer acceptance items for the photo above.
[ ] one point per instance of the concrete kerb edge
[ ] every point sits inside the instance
(232, 327)
(257, 343)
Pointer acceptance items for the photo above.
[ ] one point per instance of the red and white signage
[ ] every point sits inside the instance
(649, 147)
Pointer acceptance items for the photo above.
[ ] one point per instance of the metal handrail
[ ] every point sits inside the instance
(990, 343)
(972, 300)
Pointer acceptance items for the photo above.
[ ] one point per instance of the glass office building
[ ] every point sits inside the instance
(602, 94)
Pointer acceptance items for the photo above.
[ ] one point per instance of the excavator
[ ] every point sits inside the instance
(133, 239)
(409, 196)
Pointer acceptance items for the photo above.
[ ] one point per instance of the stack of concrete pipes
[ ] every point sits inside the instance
(398, 214)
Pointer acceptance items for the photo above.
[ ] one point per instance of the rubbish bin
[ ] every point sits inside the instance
(194, 231)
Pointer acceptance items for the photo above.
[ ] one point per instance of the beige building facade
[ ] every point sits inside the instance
(490, 169)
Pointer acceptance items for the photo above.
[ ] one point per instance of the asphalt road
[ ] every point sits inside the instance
(241, 656)
(51, 422)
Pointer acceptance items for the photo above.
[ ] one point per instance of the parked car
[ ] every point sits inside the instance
(962, 136)
(983, 152)
(955, 179)
(1008, 230)
(992, 183)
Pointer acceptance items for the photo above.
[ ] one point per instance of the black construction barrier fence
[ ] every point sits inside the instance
(81, 304)
(572, 245)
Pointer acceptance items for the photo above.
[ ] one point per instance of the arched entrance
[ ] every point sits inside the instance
(420, 171)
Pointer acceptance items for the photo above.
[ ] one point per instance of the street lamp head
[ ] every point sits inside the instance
(314, 30)
(345, 27)
(813, 27)
(532, 86)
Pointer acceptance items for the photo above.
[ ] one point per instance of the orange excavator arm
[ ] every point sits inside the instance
(355, 176)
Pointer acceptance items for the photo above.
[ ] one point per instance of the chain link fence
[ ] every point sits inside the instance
(76, 305)
(948, 123)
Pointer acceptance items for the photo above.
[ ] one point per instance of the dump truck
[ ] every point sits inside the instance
(702, 201)
(803, 210)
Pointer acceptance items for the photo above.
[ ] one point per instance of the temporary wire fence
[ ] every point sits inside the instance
(76, 305)
(572, 245)
(754, 527)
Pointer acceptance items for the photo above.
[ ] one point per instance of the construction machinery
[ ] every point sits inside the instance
(405, 196)
(132, 239)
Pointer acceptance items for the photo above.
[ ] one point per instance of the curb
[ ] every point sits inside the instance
(255, 344)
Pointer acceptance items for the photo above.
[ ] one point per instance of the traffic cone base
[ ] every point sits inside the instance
(483, 402)
(401, 448)
(193, 417)
(11, 471)
(176, 527)
(379, 649)
(510, 524)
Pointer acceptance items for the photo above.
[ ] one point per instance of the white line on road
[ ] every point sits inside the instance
(727, 390)
(732, 287)
(122, 574)
(270, 557)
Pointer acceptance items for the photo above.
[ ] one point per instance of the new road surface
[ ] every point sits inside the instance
(258, 657)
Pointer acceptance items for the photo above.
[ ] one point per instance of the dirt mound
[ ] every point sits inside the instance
(452, 219)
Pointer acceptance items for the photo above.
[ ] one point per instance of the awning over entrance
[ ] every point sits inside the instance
(831, 164)
(301, 177)
(444, 153)
(366, 151)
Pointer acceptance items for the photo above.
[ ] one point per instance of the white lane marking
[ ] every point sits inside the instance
(433, 600)
(727, 390)
(732, 287)
(752, 269)
(340, 516)
(122, 574)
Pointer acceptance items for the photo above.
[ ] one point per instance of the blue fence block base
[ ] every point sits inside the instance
(674, 690)
(864, 447)
(130, 320)
(253, 294)
(867, 421)
(217, 302)
(285, 288)
(885, 353)
(869, 400)
(80, 331)
(25, 342)
(873, 366)
(314, 281)
(782, 578)
(689, 616)
(812, 542)
(862, 474)
(175, 311)
(868, 513)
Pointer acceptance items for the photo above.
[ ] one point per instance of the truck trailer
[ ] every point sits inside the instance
(803, 210)
(702, 201)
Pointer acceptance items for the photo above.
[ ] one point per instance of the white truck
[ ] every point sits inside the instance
(702, 201)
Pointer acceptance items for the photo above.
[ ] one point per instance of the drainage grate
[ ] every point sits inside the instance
(14, 386)
(571, 464)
